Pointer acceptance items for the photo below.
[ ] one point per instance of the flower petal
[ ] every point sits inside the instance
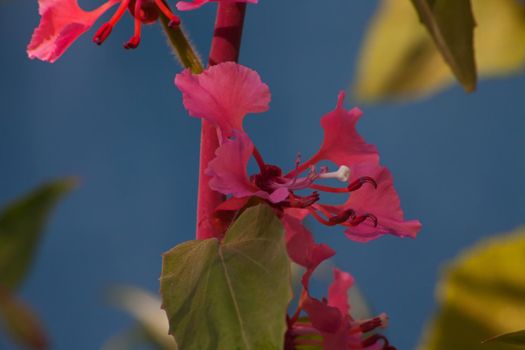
(302, 248)
(223, 94)
(342, 143)
(338, 291)
(229, 170)
(382, 202)
(61, 23)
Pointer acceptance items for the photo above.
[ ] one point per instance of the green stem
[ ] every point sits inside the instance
(182, 47)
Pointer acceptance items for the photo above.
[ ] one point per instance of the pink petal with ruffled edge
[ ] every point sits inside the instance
(229, 171)
(62, 22)
(338, 291)
(302, 248)
(224, 94)
(195, 4)
(342, 143)
(382, 202)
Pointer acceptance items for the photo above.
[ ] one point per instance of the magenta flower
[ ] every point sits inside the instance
(195, 4)
(329, 323)
(63, 21)
(224, 94)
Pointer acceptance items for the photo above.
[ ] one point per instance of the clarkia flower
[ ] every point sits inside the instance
(63, 21)
(195, 4)
(226, 93)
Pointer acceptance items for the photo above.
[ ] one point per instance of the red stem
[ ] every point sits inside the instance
(224, 47)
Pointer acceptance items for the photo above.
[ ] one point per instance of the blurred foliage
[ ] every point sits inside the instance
(399, 61)
(21, 322)
(451, 26)
(21, 225)
(481, 293)
(215, 290)
(517, 338)
(152, 323)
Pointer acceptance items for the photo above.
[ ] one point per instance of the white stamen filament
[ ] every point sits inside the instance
(342, 174)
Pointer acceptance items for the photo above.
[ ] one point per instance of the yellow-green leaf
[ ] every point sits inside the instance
(517, 338)
(399, 60)
(451, 25)
(230, 295)
(21, 224)
(481, 293)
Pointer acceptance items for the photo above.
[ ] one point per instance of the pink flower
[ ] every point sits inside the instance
(195, 4)
(224, 94)
(63, 21)
(329, 323)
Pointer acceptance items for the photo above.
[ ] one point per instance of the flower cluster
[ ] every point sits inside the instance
(64, 21)
(224, 95)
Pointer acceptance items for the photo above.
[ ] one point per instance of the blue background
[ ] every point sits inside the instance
(114, 118)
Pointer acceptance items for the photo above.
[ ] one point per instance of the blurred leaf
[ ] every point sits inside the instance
(481, 293)
(451, 25)
(21, 224)
(517, 338)
(231, 294)
(146, 309)
(20, 322)
(399, 60)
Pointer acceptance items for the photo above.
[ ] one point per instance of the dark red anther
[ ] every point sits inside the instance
(373, 339)
(302, 202)
(355, 185)
(133, 43)
(102, 33)
(342, 217)
(359, 219)
(371, 324)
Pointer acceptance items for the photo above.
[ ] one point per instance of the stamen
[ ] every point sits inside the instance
(380, 321)
(259, 159)
(359, 219)
(374, 339)
(342, 174)
(329, 188)
(342, 217)
(333, 220)
(174, 20)
(134, 42)
(295, 201)
(355, 185)
(102, 34)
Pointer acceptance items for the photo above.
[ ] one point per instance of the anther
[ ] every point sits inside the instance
(102, 33)
(355, 185)
(380, 321)
(342, 217)
(342, 174)
(302, 202)
(133, 43)
(359, 219)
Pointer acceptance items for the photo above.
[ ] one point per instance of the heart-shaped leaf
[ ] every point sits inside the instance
(233, 294)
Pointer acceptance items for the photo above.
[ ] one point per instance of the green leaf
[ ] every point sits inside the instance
(20, 322)
(21, 224)
(230, 295)
(517, 338)
(451, 25)
(481, 293)
(400, 61)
